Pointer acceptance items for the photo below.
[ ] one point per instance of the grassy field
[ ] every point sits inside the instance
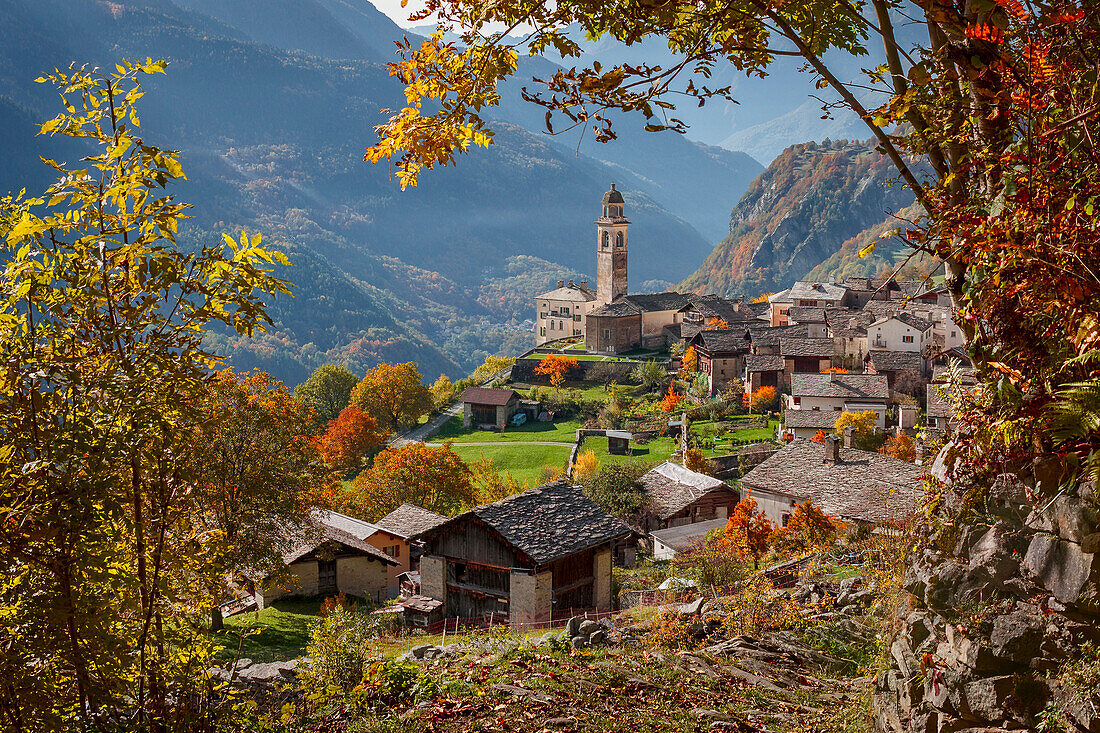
(752, 434)
(562, 431)
(280, 631)
(653, 452)
(523, 462)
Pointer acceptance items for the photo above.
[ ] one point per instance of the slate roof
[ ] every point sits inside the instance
(649, 302)
(722, 341)
(618, 308)
(823, 419)
(913, 321)
(326, 526)
(770, 335)
(408, 519)
(685, 535)
(671, 488)
(935, 404)
(844, 386)
(763, 363)
(894, 361)
(547, 523)
(488, 396)
(575, 294)
(821, 348)
(863, 486)
(817, 291)
(730, 311)
(806, 314)
(613, 196)
(783, 296)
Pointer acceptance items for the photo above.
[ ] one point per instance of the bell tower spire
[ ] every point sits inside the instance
(611, 231)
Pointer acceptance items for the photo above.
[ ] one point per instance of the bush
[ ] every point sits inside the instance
(339, 646)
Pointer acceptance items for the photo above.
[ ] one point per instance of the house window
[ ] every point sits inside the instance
(577, 319)
(561, 326)
(954, 334)
(798, 400)
(564, 311)
(907, 339)
(607, 333)
(542, 331)
(606, 239)
(618, 239)
(836, 409)
(816, 409)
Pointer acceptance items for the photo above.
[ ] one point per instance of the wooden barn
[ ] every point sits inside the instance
(678, 496)
(543, 550)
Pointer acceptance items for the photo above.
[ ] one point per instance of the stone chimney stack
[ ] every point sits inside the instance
(832, 449)
(584, 283)
(561, 283)
(849, 437)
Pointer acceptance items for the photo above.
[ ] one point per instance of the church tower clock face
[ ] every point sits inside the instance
(611, 243)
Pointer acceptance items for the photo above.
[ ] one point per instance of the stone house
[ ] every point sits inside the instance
(677, 496)
(339, 554)
(900, 332)
(488, 406)
(406, 521)
(838, 393)
(524, 557)
(561, 312)
(805, 355)
(804, 424)
(764, 370)
(892, 363)
(853, 485)
(721, 356)
(614, 328)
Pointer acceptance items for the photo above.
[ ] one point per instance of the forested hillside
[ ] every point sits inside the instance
(798, 213)
(273, 140)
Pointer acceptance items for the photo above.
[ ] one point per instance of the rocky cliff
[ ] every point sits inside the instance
(1003, 613)
(799, 212)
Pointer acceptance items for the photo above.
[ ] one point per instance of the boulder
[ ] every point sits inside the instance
(586, 627)
(572, 626)
(1017, 636)
(579, 642)
(694, 608)
(597, 637)
(1071, 575)
(268, 673)
(1070, 518)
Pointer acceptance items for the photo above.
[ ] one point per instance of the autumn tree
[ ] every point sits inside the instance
(256, 469)
(556, 367)
(443, 392)
(491, 485)
(863, 426)
(585, 467)
(492, 365)
(327, 391)
(695, 460)
(900, 446)
(690, 361)
(763, 399)
(671, 399)
(393, 394)
(432, 477)
(351, 440)
(807, 529)
(103, 373)
(749, 529)
(819, 436)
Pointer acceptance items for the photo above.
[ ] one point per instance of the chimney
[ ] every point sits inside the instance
(571, 284)
(832, 376)
(584, 283)
(832, 449)
(849, 437)
(561, 283)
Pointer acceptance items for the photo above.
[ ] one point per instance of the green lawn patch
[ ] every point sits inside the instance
(281, 631)
(561, 431)
(523, 462)
(655, 451)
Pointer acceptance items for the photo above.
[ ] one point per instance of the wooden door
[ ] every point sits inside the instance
(326, 577)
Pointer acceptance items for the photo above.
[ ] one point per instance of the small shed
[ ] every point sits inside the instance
(668, 542)
(489, 406)
(409, 583)
(618, 442)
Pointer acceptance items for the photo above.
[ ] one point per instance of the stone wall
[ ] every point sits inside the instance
(524, 371)
(361, 576)
(997, 604)
(601, 574)
(433, 578)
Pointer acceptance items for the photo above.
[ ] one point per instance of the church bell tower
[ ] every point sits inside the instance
(611, 229)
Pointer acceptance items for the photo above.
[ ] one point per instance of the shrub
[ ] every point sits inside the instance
(756, 607)
(339, 646)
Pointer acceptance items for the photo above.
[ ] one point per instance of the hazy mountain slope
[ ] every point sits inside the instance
(808, 202)
(889, 252)
(273, 142)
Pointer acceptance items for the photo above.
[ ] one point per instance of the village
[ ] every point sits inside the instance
(637, 429)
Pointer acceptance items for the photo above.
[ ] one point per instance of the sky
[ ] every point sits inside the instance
(398, 14)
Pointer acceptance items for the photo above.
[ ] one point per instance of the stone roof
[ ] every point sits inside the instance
(806, 314)
(913, 321)
(409, 519)
(617, 309)
(722, 341)
(763, 363)
(684, 536)
(821, 348)
(935, 404)
(671, 488)
(574, 293)
(613, 196)
(783, 296)
(844, 386)
(327, 526)
(863, 486)
(817, 291)
(823, 419)
(488, 396)
(730, 311)
(770, 335)
(547, 523)
(894, 361)
(649, 302)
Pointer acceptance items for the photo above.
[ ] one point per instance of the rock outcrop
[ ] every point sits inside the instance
(998, 606)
